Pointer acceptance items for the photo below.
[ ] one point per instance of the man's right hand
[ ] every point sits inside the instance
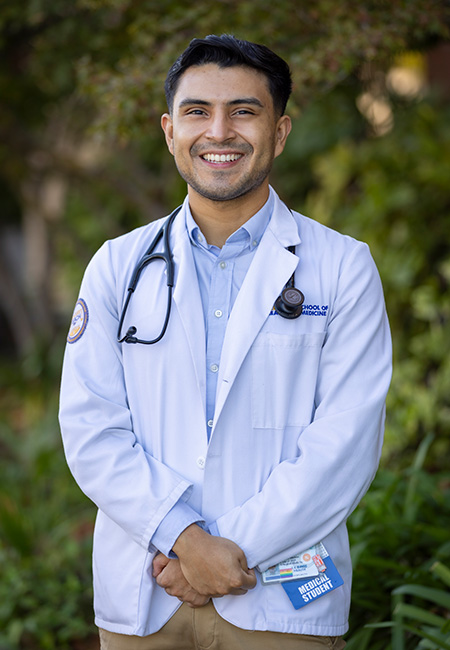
(213, 566)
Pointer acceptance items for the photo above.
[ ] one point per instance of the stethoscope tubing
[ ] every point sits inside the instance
(167, 257)
(289, 303)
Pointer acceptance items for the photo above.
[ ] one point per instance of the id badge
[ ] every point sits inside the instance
(306, 576)
(307, 564)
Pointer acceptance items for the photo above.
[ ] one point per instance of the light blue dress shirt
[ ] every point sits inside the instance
(220, 273)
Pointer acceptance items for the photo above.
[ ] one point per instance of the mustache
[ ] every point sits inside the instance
(200, 150)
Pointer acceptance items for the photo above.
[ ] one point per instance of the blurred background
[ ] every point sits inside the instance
(82, 159)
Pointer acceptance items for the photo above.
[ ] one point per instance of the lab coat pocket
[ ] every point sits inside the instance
(284, 376)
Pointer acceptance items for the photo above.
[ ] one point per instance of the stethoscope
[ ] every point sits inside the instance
(289, 303)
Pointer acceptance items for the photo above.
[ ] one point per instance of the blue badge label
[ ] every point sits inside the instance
(306, 576)
(302, 592)
(79, 321)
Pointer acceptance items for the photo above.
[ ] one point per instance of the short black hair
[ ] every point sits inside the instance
(227, 51)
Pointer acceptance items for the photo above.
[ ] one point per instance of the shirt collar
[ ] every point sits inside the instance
(252, 230)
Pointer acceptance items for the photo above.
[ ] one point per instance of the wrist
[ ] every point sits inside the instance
(189, 538)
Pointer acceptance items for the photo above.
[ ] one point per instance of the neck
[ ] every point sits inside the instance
(219, 219)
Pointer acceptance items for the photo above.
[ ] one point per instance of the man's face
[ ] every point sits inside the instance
(223, 132)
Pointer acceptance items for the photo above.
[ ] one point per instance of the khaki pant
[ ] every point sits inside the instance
(204, 629)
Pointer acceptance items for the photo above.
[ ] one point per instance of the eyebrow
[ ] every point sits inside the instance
(252, 101)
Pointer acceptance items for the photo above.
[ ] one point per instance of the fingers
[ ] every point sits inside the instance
(242, 583)
(160, 562)
(213, 566)
(249, 579)
(172, 580)
(195, 601)
(170, 576)
(238, 592)
(195, 606)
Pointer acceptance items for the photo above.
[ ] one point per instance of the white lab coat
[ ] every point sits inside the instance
(297, 430)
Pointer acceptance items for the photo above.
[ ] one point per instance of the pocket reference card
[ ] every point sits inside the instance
(306, 576)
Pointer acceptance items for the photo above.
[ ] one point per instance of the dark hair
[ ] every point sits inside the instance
(227, 51)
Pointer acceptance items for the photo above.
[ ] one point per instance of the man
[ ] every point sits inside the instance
(240, 438)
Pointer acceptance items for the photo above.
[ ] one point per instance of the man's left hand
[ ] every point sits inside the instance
(169, 576)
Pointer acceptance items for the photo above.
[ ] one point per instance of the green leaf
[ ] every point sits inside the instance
(411, 503)
(418, 614)
(441, 643)
(443, 572)
(437, 596)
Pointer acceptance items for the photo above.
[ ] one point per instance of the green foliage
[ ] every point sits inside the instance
(45, 532)
(324, 43)
(422, 622)
(400, 545)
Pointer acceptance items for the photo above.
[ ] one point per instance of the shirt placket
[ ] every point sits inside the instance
(219, 307)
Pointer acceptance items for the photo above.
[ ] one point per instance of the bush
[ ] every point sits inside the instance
(397, 534)
(45, 533)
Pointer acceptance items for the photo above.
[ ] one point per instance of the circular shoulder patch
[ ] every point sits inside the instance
(79, 321)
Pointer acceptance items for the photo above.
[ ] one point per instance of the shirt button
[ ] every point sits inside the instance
(254, 242)
(199, 237)
(223, 265)
(214, 367)
(218, 313)
(201, 462)
(210, 423)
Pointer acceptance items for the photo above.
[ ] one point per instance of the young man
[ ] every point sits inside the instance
(248, 431)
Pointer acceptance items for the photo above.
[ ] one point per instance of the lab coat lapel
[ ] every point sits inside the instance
(271, 268)
(187, 299)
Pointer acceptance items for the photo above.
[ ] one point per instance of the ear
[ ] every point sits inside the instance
(167, 127)
(284, 126)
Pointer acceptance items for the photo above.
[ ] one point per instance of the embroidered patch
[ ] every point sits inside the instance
(79, 321)
(308, 310)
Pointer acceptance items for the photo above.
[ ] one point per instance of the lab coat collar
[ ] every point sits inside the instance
(283, 225)
(186, 296)
(271, 268)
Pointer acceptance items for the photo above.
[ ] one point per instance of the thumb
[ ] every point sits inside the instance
(249, 581)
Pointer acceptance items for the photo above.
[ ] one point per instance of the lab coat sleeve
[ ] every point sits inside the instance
(131, 487)
(306, 498)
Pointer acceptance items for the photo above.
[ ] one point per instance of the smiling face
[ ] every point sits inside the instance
(224, 133)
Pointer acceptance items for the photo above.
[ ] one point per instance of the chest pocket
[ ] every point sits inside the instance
(284, 376)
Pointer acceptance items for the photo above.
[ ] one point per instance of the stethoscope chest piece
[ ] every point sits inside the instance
(289, 303)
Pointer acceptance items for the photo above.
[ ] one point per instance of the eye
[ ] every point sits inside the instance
(244, 112)
(196, 111)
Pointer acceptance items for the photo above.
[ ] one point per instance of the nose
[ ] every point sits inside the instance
(220, 127)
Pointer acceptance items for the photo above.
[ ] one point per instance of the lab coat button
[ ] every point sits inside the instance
(201, 462)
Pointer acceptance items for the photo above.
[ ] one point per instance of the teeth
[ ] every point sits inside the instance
(218, 158)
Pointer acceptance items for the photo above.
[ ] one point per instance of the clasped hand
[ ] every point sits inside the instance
(207, 567)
